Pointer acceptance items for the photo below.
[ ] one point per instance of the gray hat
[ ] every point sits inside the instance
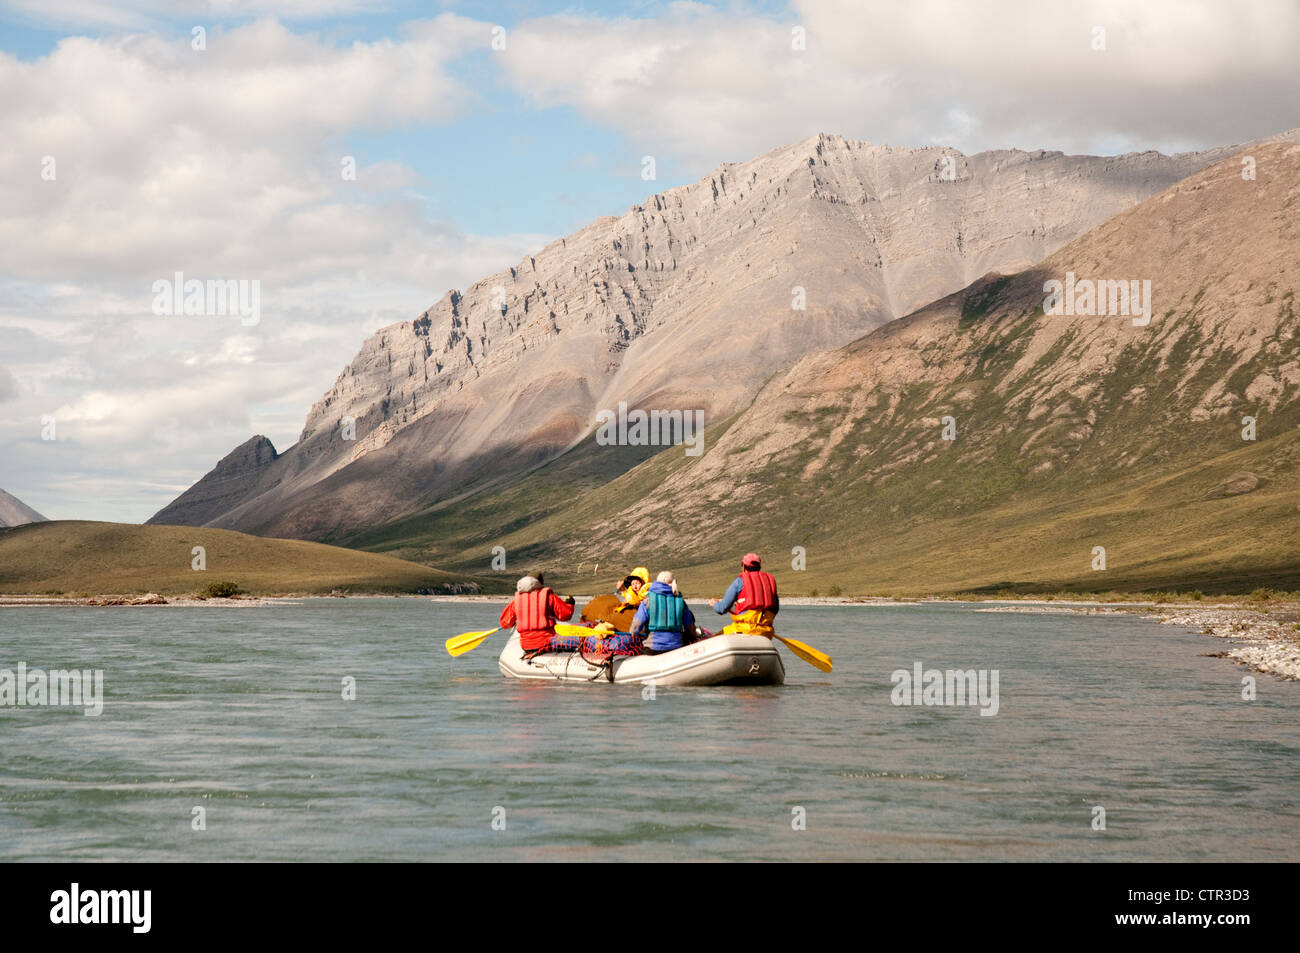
(527, 584)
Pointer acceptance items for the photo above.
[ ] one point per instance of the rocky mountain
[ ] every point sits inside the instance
(691, 300)
(987, 442)
(14, 512)
(225, 487)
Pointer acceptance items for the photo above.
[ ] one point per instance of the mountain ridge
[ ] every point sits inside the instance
(1070, 432)
(499, 378)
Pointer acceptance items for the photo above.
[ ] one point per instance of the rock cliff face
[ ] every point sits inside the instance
(14, 512)
(691, 300)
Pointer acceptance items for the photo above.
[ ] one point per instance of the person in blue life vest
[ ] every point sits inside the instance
(663, 618)
(751, 600)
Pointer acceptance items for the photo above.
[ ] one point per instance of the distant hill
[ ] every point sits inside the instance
(14, 512)
(690, 300)
(85, 558)
(1072, 432)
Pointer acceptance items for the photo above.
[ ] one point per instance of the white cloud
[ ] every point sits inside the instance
(161, 154)
(709, 86)
(224, 163)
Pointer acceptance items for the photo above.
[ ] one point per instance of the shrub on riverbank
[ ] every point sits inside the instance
(220, 590)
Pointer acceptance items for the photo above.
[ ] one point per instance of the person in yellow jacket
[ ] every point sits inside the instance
(617, 608)
(635, 587)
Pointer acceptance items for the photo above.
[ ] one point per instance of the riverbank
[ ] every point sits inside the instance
(1263, 636)
(1266, 640)
(154, 599)
(149, 599)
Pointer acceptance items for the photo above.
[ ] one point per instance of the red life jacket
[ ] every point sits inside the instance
(757, 591)
(533, 611)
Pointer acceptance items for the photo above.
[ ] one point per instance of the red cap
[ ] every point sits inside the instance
(751, 559)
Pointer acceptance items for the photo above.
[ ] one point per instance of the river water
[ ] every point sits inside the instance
(240, 712)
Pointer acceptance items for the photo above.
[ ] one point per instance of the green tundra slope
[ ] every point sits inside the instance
(85, 558)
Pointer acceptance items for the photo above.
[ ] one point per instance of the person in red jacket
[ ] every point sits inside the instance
(533, 613)
(751, 600)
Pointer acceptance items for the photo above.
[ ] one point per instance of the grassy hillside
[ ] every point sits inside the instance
(86, 558)
(1162, 527)
(943, 525)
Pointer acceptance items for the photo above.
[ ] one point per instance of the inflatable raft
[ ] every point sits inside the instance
(720, 660)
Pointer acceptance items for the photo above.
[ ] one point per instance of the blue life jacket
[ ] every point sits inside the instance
(665, 620)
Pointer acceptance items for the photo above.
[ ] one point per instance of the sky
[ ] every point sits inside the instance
(212, 138)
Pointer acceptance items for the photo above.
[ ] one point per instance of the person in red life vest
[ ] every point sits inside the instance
(533, 613)
(751, 600)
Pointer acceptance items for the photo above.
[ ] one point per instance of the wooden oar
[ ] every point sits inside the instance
(460, 644)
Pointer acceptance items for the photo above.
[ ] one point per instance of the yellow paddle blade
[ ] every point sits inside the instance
(582, 631)
(809, 654)
(460, 644)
